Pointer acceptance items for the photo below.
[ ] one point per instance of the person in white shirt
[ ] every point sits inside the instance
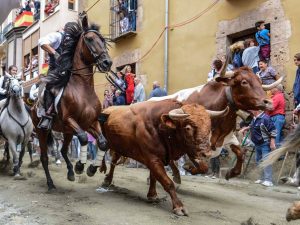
(139, 91)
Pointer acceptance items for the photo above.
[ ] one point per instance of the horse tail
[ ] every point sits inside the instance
(291, 143)
(50, 140)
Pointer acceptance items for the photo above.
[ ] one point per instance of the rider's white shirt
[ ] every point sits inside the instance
(53, 39)
(34, 90)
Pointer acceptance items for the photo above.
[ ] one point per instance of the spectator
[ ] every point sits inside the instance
(129, 79)
(132, 7)
(108, 100)
(237, 52)
(267, 74)
(263, 39)
(216, 69)
(124, 22)
(263, 134)
(278, 113)
(120, 80)
(139, 91)
(250, 55)
(157, 91)
(91, 146)
(120, 100)
(27, 6)
(296, 88)
(34, 61)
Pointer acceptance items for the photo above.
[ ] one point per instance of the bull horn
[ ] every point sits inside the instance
(178, 114)
(225, 64)
(244, 115)
(267, 87)
(214, 114)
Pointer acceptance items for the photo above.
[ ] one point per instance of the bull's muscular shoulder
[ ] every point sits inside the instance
(151, 109)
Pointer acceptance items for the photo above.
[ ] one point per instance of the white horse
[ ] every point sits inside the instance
(15, 123)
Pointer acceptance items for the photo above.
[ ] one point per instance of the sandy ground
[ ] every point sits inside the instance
(208, 201)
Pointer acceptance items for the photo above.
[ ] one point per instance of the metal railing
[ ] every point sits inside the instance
(122, 18)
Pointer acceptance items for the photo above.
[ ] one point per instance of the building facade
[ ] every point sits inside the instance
(199, 32)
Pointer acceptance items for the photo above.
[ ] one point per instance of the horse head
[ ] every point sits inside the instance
(14, 88)
(94, 46)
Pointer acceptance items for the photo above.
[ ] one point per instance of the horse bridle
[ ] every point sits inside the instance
(97, 57)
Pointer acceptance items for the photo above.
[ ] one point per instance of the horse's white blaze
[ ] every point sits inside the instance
(180, 95)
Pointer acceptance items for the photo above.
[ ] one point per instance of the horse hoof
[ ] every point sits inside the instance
(71, 176)
(153, 199)
(91, 170)
(79, 167)
(51, 187)
(180, 211)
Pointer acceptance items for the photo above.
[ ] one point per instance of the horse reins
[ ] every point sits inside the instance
(22, 126)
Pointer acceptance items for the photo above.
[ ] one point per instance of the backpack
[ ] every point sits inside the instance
(237, 60)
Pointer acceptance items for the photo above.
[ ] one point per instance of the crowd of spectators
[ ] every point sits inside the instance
(126, 11)
(30, 6)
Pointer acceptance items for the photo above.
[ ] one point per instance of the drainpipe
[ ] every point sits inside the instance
(166, 56)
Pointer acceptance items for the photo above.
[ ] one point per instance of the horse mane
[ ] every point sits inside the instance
(56, 79)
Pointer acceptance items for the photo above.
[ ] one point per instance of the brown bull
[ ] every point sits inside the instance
(154, 133)
(240, 89)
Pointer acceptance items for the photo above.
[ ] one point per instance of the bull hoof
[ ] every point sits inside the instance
(71, 176)
(79, 167)
(91, 170)
(177, 179)
(180, 211)
(231, 174)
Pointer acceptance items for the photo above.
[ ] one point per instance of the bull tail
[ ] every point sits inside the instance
(292, 143)
(103, 167)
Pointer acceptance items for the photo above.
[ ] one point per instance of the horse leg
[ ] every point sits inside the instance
(109, 177)
(13, 149)
(158, 171)
(43, 136)
(95, 130)
(237, 169)
(79, 166)
(64, 153)
(175, 171)
(6, 152)
(81, 134)
(21, 157)
(29, 147)
(152, 194)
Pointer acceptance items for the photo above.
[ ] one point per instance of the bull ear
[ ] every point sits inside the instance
(166, 120)
(84, 20)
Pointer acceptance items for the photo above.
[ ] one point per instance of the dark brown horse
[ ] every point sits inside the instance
(79, 107)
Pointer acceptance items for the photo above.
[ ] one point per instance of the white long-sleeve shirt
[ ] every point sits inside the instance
(53, 39)
(3, 90)
(139, 93)
(33, 93)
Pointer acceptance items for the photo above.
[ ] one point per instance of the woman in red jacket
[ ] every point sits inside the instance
(129, 79)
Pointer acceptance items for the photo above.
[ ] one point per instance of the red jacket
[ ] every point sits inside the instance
(278, 104)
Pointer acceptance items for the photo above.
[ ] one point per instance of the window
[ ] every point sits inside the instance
(122, 18)
(72, 4)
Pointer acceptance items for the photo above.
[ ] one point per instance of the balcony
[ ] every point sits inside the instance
(122, 19)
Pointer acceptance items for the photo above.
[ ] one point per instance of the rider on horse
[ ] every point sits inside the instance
(54, 44)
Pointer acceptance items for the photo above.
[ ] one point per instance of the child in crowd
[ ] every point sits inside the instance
(263, 134)
(263, 39)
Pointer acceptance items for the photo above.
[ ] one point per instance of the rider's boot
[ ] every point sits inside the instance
(46, 120)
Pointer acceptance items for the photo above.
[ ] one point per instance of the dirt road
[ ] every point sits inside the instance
(208, 201)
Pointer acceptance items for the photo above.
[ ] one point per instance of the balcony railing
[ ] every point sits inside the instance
(122, 18)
